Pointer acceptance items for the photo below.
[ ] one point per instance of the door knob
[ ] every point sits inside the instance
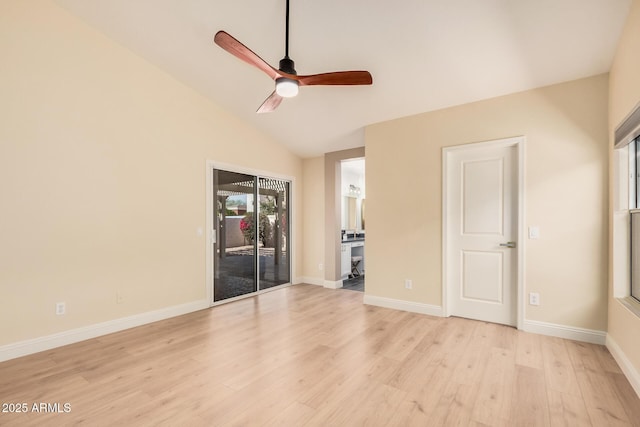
(508, 245)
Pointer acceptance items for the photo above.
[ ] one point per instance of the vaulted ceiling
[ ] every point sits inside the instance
(423, 54)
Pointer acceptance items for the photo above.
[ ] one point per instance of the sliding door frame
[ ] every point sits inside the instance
(210, 226)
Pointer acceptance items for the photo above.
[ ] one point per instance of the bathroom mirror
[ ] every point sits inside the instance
(352, 213)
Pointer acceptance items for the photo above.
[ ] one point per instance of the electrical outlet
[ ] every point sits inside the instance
(534, 298)
(320, 267)
(408, 284)
(61, 308)
(119, 297)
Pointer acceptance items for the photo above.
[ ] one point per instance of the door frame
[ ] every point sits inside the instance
(519, 143)
(209, 200)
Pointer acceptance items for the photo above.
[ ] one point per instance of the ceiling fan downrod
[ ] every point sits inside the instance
(286, 64)
(286, 87)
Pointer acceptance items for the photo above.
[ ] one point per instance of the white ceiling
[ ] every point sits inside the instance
(423, 54)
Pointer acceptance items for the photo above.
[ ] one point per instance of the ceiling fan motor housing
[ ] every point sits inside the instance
(288, 66)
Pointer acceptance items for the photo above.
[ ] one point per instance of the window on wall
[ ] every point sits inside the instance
(634, 214)
(634, 171)
(626, 215)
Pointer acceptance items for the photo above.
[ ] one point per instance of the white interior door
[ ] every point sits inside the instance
(481, 234)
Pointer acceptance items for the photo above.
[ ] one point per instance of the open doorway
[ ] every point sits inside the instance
(352, 229)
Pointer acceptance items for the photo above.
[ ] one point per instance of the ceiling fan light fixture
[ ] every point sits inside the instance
(286, 87)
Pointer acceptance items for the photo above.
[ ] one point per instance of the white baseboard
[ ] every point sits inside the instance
(414, 307)
(318, 281)
(23, 348)
(625, 364)
(563, 331)
(333, 285)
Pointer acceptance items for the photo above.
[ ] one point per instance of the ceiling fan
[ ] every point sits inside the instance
(286, 78)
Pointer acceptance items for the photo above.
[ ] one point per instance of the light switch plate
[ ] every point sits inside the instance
(61, 308)
(534, 232)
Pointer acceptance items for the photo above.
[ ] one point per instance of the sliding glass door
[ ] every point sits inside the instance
(273, 249)
(251, 220)
(234, 263)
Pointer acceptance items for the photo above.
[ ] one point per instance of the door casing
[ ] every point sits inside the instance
(519, 144)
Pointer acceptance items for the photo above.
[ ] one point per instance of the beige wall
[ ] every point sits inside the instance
(103, 176)
(313, 214)
(565, 185)
(624, 326)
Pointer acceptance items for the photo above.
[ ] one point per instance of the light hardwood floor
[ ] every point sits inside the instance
(312, 356)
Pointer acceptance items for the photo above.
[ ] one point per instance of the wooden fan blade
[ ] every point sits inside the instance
(337, 78)
(270, 104)
(240, 51)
